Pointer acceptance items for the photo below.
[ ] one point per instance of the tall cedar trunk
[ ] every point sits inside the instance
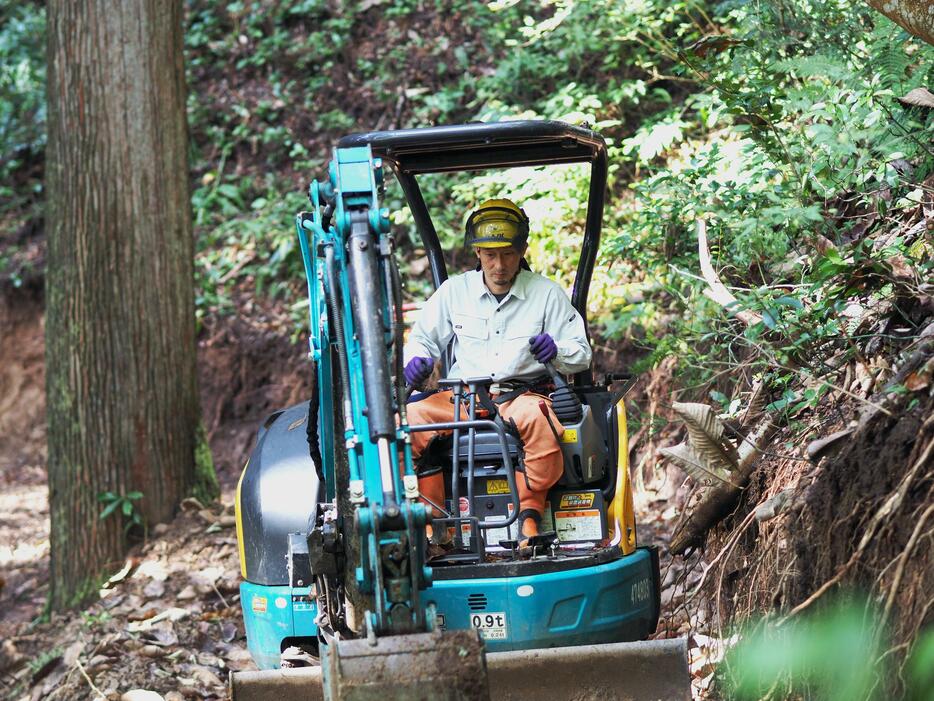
(917, 16)
(120, 335)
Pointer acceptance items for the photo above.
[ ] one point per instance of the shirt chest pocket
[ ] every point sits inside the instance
(470, 327)
(521, 331)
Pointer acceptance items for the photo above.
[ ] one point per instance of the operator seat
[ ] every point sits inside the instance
(439, 454)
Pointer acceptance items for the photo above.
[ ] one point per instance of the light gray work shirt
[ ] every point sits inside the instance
(491, 339)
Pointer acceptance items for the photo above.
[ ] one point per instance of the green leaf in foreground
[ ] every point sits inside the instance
(827, 656)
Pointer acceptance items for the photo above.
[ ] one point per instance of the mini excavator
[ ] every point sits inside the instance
(339, 599)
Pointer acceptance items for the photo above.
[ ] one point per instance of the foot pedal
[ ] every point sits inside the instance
(543, 540)
(539, 544)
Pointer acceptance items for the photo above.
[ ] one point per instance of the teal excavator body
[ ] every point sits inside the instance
(330, 524)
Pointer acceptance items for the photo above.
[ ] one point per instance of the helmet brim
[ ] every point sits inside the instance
(496, 244)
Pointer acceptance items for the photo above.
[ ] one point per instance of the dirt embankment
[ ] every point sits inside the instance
(22, 388)
(246, 371)
(841, 503)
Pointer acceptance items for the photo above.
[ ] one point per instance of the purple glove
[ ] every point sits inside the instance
(417, 370)
(543, 347)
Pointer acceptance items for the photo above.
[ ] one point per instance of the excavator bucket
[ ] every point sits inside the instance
(438, 666)
(651, 670)
(447, 666)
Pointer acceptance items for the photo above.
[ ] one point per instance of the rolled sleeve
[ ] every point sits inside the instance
(566, 326)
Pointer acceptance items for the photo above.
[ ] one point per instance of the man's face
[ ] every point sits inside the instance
(500, 266)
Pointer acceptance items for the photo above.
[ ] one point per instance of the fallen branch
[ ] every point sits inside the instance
(721, 499)
(100, 694)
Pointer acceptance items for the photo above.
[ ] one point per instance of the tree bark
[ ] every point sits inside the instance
(916, 16)
(122, 397)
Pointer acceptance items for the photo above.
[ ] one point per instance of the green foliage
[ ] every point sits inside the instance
(122, 504)
(91, 620)
(22, 126)
(248, 235)
(793, 136)
(43, 658)
(22, 86)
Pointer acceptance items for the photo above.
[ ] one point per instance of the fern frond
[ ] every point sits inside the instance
(705, 434)
(685, 456)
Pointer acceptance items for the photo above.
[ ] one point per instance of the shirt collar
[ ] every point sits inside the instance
(478, 288)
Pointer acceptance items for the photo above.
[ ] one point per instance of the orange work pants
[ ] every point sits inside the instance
(544, 462)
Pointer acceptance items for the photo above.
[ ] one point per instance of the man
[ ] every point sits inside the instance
(505, 322)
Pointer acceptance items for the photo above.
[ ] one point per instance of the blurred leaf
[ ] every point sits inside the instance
(920, 667)
(919, 97)
(712, 43)
(828, 656)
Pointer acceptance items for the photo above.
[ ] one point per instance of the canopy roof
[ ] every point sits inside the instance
(481, 145)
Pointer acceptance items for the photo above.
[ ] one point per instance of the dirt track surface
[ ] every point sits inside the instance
(169, 621)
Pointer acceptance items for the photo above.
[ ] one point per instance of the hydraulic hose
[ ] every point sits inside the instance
(311, 432)
(338, 319)
(394, 285)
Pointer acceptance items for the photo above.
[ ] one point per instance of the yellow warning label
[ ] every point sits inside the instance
(577, 500)
(259, 604)
(570, 435)
(497, 487)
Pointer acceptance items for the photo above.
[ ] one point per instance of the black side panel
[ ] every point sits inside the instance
(277, 495)
(657, 583)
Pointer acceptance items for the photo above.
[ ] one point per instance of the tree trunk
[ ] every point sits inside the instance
(123, 407)
(916, 16)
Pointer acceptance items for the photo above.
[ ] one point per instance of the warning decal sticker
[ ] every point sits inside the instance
(497, 487)
(578, 525)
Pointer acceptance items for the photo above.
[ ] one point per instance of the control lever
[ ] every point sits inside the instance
(566, 405)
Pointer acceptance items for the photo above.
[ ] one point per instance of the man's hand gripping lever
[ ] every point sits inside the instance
(564, 403)
(416, 372)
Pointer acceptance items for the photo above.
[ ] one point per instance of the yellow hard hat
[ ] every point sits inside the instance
(497, 224)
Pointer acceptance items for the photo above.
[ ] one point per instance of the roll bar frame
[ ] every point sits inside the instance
(494, 145)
